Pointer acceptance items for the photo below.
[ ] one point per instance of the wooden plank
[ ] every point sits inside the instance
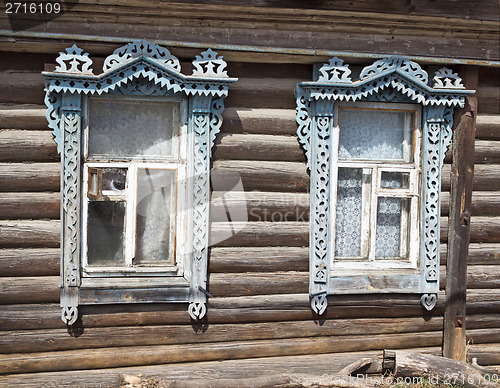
(29, 262)
(29, 234)
(269, 93)
(488, 99)
(486, 354)
(160, 354)
(259, 121)
(31, 341)
(259, 147)
(484, 203)
(43, 289)
(234, 309)
(29, 177)
(29, 205)
(260, 206)
(291, 234)
(23, 116)
(459, 229)
(264, 175)
(258, 259)
(22, 88)
(488, 127)
(24, 146)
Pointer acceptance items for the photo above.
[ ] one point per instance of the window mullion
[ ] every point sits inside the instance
(130, 232)
(373, 212)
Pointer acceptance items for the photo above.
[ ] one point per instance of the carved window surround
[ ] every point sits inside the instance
(141, 69)
(392, 80)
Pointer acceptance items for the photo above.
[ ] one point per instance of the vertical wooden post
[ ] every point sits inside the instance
(454, 345)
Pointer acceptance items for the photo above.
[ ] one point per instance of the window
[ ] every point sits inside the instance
(135, 145)
(375, 148)
(134, 174)
(376, 201)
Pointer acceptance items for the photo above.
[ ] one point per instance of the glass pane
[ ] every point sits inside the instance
(120, 128)
(114, 180)
(394, 180)
(391, 240)
(155, 216)
(371, 134)
(349, 212)
(105, 227)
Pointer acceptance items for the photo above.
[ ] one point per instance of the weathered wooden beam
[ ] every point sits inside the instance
(29, 262)
(454, 344)
(160, 354)
(258, 147)
(27, 146)
(29, 177)
(29, 205)
(29, 234)
(23, 116)
(487, 127)
(259, 121)
(484, 203)
(437, 369)
(34, 341)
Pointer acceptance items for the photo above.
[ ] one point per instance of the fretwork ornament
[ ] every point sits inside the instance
(138, 68)
(393, 79)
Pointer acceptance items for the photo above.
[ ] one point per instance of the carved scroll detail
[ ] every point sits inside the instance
(335, 71)
(445, 78)
(208, 64)
(304, 122)
(73, 61)
(141, 48)
(411, 69)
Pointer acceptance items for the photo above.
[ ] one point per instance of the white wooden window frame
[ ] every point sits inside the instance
(372, 191)
(177, 162)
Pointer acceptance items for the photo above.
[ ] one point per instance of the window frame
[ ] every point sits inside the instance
(375, 191)
(388, 80)
(139, 68)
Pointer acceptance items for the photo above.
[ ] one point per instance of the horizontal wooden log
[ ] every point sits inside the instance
(29, 262)
(237, 372)
(22, 88)
(23, 116)
(487, 152)
(266, 176)
(29, 177)
(486, 354)
(483, 276)
(269, 93)
(29, 205)
(259, 259)
(160, 354)
(488, 99)
(27, 146)
(483, 321)
(488, 127)
(29, 234)
(241, 309)
(484, 203)
(260, 206)
(482, 229)
(56, 340)
(259, 121)
(484, 254)
(224, 234)
(291, 176)
(259, 147)
(44, 289)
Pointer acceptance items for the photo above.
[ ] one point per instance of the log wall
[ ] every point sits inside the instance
(258, 277)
